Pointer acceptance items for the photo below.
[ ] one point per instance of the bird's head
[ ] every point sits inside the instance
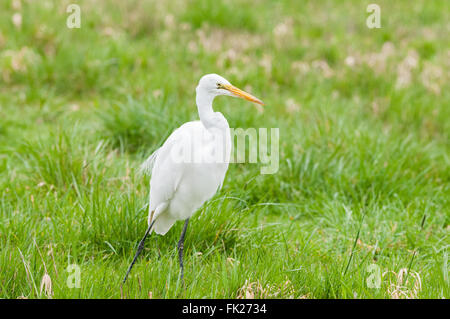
(216, 85)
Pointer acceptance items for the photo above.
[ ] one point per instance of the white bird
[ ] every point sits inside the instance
(190, 167)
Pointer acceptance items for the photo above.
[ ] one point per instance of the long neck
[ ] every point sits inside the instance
(204, 105)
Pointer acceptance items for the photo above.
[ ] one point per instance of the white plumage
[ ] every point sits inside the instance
(190, 166)
(179, 184)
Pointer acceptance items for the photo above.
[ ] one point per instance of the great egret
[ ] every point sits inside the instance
(189, 168)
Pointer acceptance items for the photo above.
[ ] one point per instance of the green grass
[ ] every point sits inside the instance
(364, 172)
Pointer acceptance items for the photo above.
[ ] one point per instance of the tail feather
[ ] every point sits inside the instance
(147, 166)
(163, 224)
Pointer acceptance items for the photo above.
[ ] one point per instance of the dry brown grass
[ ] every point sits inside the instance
(255, 290)
(403, 284)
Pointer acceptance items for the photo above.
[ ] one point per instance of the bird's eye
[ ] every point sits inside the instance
(219, 85)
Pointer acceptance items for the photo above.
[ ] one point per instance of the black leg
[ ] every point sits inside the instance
(180, 248)
(140, 247)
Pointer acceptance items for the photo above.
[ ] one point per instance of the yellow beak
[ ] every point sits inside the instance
(242, 94)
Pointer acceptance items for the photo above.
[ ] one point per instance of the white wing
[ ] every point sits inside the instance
(147, 166)
(181, 186)
(166, 171)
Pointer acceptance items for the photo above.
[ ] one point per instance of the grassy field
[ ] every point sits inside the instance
(364, 118)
